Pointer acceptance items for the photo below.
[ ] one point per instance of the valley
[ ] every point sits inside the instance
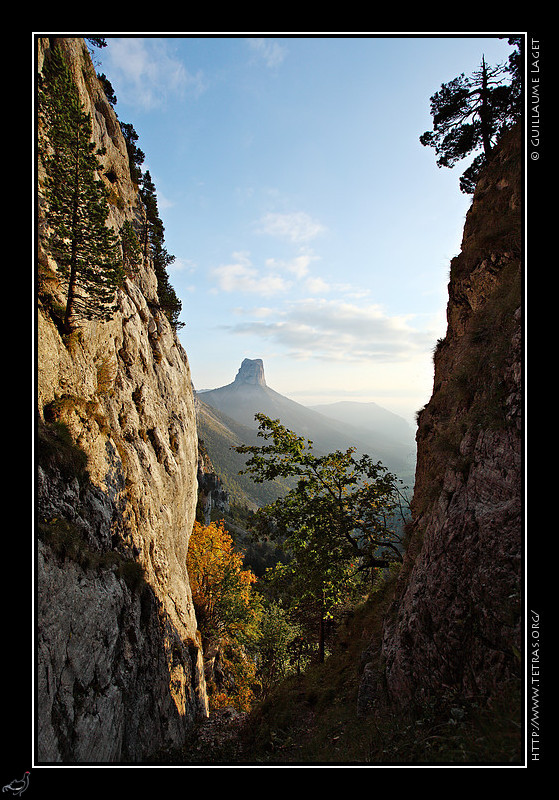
(162, 636)
(225, 418)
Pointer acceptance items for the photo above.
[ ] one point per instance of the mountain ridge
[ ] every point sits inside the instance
(367, 416)
(249, 394)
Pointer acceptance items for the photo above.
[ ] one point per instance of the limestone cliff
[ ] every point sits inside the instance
(119, 667)
(251, 371)
(455, 625)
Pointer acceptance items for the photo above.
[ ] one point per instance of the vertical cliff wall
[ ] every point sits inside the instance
(119, 668)
(456, 622)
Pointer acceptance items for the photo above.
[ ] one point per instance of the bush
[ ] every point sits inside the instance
(56, 449)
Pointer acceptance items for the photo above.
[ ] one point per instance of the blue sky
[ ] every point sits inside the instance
(310, 227)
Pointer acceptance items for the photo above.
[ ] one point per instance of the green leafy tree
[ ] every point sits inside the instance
(313, 587)
(278, 641)
(86, 250)
(337, 523)
(470, 114)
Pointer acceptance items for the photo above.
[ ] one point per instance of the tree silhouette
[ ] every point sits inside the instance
(470, 115)
(87, 252)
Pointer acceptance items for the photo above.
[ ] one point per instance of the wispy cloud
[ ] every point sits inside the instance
(334, 330)
(297, 227)
(149, 73)
(242, 276)
(317, 286)
(277, 275)
(298, 265)
(184, 265)
(272, 53)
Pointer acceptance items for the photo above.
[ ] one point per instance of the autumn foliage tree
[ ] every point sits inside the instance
(221, 588)
(228, 611)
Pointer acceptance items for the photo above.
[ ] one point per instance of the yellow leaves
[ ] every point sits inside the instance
(221, 588)
(226, 609)
(210, 555)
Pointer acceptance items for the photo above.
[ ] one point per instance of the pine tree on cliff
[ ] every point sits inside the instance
(87, 252)
(135, 155)
(153, 242)
(471, 113)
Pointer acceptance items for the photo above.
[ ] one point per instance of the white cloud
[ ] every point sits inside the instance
(279, 275)
(242, 276)
(297, 227)
(182, 265)
(163, 202)
(298, 266)
(272, 53)
(260, 312)
(338, 331)
(148, 72)
(317, 286)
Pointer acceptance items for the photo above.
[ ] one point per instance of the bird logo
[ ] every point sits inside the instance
(17, 787)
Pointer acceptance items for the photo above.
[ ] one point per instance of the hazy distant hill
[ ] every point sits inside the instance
(228, 419)
(370, 417)
(221, 435)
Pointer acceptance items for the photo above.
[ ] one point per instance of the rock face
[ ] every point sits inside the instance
(119, 664)
(456, 620)
(251, 371)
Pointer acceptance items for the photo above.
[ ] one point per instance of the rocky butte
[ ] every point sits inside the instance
(251, 371)
(119, 668)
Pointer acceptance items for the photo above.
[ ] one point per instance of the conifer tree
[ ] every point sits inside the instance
(131, 251)
(86, 250)
(107, 88)
(154, 244)
(470, 114)
(135, 155)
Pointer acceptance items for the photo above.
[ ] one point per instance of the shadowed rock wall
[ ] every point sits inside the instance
(456, 622)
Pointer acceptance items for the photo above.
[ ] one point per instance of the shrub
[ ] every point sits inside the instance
(56, 448)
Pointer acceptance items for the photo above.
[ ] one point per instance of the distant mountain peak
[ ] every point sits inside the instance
(251, 371)
(238, 403)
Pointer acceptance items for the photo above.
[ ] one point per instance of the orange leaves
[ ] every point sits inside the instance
(210, 556)
(227, 610)
(220, 586)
